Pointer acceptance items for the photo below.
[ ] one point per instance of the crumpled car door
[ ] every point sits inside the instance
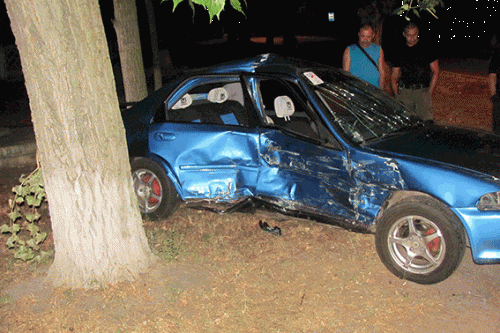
(210, 161)
(304, 176)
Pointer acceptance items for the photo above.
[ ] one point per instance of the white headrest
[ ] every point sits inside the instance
(184, 102)
(283, 105)
(218, 95)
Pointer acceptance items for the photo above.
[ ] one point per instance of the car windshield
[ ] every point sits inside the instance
(360, 110)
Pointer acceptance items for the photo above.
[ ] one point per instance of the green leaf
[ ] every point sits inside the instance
(15, 228)
(236, 4)
(24, 253)
(32, 244)
(11, 242)
(176, 2)
(33, 229)
(214, 7)
(16, 189)
(44, 255)
(40, 237)
(30, 199)
(14, 215)
(5, 228)
(19, 200)
(32, 217)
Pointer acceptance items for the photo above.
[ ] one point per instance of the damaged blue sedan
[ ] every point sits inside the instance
(312, 140)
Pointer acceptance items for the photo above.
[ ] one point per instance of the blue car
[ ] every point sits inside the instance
(311, 140)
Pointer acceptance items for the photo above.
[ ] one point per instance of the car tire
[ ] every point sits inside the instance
(420, 239)
(154, 190)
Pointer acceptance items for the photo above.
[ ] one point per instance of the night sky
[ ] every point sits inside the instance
(466, 24)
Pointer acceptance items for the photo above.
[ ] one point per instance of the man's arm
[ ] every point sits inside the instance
(435, 74)
(396, 73)
(346, 60)
(381, 70)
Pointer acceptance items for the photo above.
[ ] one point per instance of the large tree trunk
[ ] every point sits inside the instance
(97, 226)
(129, 47)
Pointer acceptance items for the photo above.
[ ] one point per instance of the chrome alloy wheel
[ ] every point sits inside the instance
(147, 187)
(416, 244)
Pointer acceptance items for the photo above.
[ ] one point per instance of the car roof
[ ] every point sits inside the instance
(264, 63)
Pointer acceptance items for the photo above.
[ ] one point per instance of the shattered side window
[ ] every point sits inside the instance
(216, 103)
(361, 111)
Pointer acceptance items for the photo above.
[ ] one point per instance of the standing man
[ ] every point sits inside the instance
(364, 59)
(415, 73)
(494, 84)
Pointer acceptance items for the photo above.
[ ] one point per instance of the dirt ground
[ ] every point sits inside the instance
(222, 273)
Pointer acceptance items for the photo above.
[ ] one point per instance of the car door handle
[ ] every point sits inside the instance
(164, 136)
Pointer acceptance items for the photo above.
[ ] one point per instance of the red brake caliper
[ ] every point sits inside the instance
(433, 245)
(155, 187)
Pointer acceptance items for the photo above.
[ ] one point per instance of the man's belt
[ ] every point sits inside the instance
(414, 86)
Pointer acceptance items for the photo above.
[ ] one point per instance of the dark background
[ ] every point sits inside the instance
(464, 30)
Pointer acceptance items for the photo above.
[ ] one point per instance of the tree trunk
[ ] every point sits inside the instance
(129, 47)
(154, 44)
(97, 226)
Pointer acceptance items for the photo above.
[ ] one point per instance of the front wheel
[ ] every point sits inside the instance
(421, 240)
(155, 192)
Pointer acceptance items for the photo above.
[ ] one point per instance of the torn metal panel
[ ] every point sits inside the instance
(304, 176)
(375, 177)
(211, 164)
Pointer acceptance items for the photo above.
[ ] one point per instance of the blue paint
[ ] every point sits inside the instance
(344, 150)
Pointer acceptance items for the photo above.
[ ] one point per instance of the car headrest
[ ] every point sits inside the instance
(218, 95)
(283, 105)
(183, 103)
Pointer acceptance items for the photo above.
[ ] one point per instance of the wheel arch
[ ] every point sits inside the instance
(399, 196)
(406, 254)
(166, 167)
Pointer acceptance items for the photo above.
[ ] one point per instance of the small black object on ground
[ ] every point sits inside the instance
(274, 231)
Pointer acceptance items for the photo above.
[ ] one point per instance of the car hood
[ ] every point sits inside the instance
(463, 147)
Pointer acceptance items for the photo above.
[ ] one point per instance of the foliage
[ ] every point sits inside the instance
(30, 193)
(373, 11)
(416, 6)
(214, 7)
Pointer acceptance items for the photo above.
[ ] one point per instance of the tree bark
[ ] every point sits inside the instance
(154, 45)
(81, 143)
(129, 46)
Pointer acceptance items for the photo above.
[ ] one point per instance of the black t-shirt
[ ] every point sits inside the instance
(494, 67)
(415, 64)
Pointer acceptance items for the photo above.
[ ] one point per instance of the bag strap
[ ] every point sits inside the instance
(368, 56)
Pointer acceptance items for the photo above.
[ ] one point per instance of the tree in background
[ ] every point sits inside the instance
(126, 27)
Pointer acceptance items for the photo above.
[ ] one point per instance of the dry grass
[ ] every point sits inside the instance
(222, 273)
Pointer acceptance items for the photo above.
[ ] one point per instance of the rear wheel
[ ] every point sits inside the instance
(420, 240)
(155, 192)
